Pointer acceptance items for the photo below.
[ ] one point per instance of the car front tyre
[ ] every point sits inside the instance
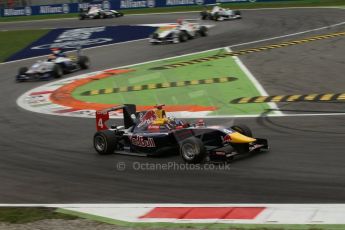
(183, 36)
(192, 150)
(203, 31)
(243, 129)
(238, 14)
(84, 62)
(22, 70)
(57, 71)
(204, 15)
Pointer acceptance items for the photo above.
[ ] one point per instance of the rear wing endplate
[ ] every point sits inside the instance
(102, 116)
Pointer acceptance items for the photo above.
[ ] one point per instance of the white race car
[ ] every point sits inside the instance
(180, 32)
(95, 12)
(53, 67)
(219, 14)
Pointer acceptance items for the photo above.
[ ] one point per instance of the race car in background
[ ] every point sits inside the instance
(219, 14)
(151, 132)
(95, 12)
(180, 32)
(55, 66)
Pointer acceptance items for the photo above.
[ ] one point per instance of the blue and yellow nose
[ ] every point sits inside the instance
(238, 138)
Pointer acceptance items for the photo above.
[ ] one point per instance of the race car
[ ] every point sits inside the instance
(219, 14)
(55, 66)
(95, 12)
(180, 32)
(151, 132)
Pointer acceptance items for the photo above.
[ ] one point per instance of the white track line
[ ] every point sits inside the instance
(290, 35)
(254, 81)
(231, 46)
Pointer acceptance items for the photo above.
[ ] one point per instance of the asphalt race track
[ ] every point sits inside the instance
(50, 159)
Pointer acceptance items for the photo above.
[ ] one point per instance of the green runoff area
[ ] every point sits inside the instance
(22, 215)
(240, 5)
(16, 215)
(215, 94)
(14, 41)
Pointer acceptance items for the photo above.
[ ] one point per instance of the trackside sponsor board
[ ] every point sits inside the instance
(40, 10)
(127, 4)
(110, 4)
(70, 39)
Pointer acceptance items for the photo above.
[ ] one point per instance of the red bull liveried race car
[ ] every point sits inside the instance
(151, 132)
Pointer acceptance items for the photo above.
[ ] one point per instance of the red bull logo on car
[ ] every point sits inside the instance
(142, 142)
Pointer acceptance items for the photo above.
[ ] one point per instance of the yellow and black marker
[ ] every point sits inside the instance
(291, 98)
(247, 51)
(158, 86)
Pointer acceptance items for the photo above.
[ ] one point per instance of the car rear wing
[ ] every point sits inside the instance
(102, 116)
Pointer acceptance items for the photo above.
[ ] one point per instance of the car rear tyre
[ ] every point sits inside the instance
(84, 62)
(192, 150)
(104, 142)
(176, 39)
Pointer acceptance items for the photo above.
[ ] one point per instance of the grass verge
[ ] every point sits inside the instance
(22, 215)
(14, 41)
(275, 4)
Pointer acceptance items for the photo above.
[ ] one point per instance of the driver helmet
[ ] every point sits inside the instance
(172, 120)
(200, 122)
(179, 21)
(56, 51)
(160, 112)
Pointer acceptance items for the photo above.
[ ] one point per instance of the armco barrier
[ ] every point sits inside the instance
(110, 4)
